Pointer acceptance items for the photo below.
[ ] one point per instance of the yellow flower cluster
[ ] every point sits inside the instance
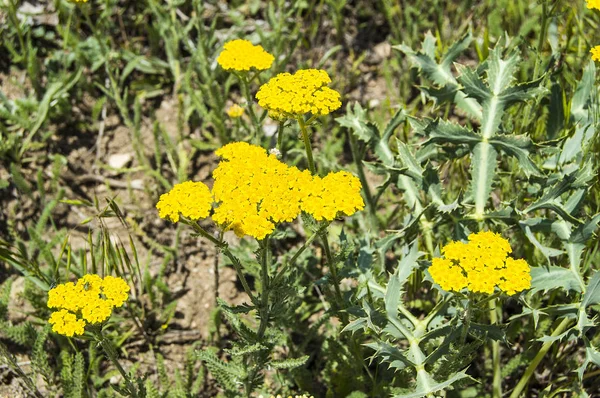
(255, 191)
(235, 111)
(306, 91)
(289, 396)
(241, 55)
(591, 4)
(480, 266)
(595, 52)
(190, 199)
(90, 300)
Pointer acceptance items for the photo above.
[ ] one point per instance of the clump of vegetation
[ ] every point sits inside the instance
(303, 198)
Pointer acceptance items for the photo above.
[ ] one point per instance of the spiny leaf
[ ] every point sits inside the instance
(427, 385)
(592, 291)
(390, 354)
(548, 278)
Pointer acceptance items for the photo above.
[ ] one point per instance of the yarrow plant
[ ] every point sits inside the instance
(242, 56)
(593, 4)
(254, 191)
(292, 95)
(480, 266)
(90, 300)
(595, 53)
(192, 200)
(235, 111)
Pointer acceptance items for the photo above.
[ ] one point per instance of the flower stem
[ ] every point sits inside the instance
(309, 155)
(497, 380)
(246, 92)
(221, 245)
(466, 320)
(280, 137)
(292, 261)
(111, 353)
(265, 285)
(335, 279)
(363, 180)
(538, 358)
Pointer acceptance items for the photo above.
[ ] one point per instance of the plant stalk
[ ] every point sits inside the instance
(538, 358)
(363, 180)
(246, 91)
(309, 155)
(497, 380)
(111, 353)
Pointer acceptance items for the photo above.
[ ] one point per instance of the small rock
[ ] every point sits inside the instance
(270, 129)
(120, 160)
(137, 184)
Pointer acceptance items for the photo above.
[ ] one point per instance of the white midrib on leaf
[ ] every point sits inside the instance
(487, 132)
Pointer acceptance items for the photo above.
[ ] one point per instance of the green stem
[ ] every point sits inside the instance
(264, 314)
(111, 353)
(225, 249)
(363, 180)
(280, 137)
(307, 146)
(334, 277)
(292, 261)
(246, 92)
(538, 358)
(466, 320)
(497, 380)
(265, 283)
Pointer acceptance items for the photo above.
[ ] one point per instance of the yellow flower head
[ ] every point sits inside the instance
(591, 4)
(255, 191)
(235, 111)
(596, 51)
(480, 266)
(190, 199)
(305, 91)
(241, 55)
(66, 323)
(89, 301)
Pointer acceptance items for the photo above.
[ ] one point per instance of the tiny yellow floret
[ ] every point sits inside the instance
(595, 53)
(480, 266)
(88, 301)
(235, 111)
(242, 56)
(190, 199)
(591, 4)
(304, 92)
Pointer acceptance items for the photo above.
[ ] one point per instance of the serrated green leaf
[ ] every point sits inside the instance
(389, 354)
(289, 363)
(427, 385)
(592, 291)
(517, 146)
(548, 278)
(408, 160)
(591, 355)
(442, 132)
(548, 252)
(356, 120)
